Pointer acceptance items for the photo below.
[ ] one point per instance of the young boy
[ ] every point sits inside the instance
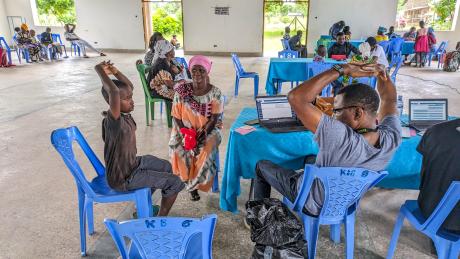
(126, 171)
(320, 54)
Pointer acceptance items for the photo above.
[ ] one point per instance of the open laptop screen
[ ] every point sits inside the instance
(273, 107)
(428, 110)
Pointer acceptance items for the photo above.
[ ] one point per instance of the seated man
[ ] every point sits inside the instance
(351, 138)
(440, 167)
(287, 33)
(47, 41)
(71, 36)
(342, 47)
(377, 54)
(411, 34)
(295, 44)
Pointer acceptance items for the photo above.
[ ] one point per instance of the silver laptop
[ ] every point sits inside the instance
(424, 113)
(276, 115)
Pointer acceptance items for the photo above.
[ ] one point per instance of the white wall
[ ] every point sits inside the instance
(114, 24)
(241, 31)
(4, 32)
(363, 16)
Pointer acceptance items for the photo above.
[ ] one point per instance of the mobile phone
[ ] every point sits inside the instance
(252, 122)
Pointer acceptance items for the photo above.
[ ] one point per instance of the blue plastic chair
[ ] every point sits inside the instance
(74, 48)
(396, 63)
(286, 54)
(439, 53)
(240, 73)
(21, 52)
(343, 188)
(182, 61)
(57, 38)
(386, 46)
(395, 49)
(97, 190)
(447, 244)
(7, 48)
(316, 68)
(164, 237)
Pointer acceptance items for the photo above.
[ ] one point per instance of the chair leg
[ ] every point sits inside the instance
(89, 215)
(335, 233)
(256, 86)
(237, 82)
(152, 111)
(445, 250)
(350, 235)
(311, 229)
(144, 203)
(147, 110)
(394, 237)
(82, 216)
(161, 109)
(168, 113)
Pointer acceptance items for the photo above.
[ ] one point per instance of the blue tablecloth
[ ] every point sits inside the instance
(289, 69)
(289, 150)
(408, 48)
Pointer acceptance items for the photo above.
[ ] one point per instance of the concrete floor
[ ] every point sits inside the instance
(38, 199)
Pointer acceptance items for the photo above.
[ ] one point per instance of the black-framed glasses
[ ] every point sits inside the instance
(335, 111)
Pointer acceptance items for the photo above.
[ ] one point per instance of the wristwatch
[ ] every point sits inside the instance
(338, 68)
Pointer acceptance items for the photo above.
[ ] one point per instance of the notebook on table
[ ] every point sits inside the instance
(276, 115)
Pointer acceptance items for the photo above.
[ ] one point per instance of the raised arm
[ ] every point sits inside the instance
(111, 88)
(387, 92)
(355, 50)
(301, 98)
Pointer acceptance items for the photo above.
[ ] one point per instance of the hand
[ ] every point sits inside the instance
(379, 70)
(356, 70)
(111, 68)
(138, 62)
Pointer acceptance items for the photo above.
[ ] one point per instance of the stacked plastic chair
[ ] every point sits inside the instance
(343, 189)
(164, 237)
(7, 48)
(440, 54)
(97, 190)
(447, 243)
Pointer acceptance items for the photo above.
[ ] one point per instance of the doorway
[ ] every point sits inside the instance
(281, 14)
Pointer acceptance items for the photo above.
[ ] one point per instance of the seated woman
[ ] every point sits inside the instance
(197, 107)
(381, 34)
(26, 40)
(151, 52)
(71, 36)
(163, 72)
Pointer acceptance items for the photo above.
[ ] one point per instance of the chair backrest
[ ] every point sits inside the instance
(385, 45)
(62, 140)
(444, 208)
(57, 38)
(325, 37)
(396, 45)
(442, 48)
(343, 187)
(2, 40)
(141, 68)
(285, 44)
(165, 237)
(182, 61)
(15, 39)
(288, 54)
(236, 62)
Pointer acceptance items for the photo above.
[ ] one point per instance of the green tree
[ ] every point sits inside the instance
(444, 9)
(63, 10)
(165, 24)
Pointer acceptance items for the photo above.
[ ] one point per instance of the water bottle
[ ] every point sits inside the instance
(400, 105)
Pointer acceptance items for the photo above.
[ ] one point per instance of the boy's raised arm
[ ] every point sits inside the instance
(110, 88)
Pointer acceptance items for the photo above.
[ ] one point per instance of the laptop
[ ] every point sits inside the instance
(424, 113)
(276, 115)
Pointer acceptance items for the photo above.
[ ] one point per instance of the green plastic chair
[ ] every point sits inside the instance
(149, 100)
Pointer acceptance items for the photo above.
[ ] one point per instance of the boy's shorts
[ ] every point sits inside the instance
(155, 173)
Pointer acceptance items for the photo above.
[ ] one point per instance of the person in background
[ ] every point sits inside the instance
(197, 107)
(125, 170)
(440, 167)
(287, 33)
(377, 54)
(25, 39)
(47, 41)
(295, 44)
(381, 34)
(421, 45)
(347, 33)
(411, 34)
(174, 42)
(336, 28)
(431, 40)
(342, 47)
(151, 52)
(83, 44)
(16, 30)
(320, 54)
(391, 33)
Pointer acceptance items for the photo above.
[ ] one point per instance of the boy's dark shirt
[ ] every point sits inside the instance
(440, 147)
(345, 49)
(46, 38)
(119, 148)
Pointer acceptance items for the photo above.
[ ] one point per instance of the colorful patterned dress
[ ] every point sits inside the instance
(196, 170)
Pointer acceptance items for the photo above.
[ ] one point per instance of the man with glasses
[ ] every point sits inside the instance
(350, 138)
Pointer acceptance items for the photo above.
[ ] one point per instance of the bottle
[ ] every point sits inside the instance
(400, 105)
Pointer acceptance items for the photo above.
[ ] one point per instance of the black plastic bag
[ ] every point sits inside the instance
(278, 234)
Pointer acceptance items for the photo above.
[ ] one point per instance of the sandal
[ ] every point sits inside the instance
(194, 195)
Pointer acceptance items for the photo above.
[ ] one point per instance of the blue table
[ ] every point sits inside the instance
(289, 150)
(408, 48)
(289, 70)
